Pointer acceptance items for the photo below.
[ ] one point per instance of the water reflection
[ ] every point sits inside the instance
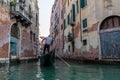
(33, 71)
(4, 71)
(48, 73)
(89, 72)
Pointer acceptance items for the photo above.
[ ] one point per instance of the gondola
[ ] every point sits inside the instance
(47, 59)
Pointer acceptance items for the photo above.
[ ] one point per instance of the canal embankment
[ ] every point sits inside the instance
(68, 60)
(17, 61)
(87, 61)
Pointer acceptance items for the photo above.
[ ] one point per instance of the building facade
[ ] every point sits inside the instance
(90, 29)
(18, 29)
(55, 24)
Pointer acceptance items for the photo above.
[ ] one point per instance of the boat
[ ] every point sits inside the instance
(47, 59)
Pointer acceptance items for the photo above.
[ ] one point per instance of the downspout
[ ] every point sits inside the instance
(80, 23)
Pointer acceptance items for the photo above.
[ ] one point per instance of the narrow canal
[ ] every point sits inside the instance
(32, 71)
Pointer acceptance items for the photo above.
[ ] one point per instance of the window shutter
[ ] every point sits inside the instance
(83, 3)
(73, 12)
(84, 23)
(68, 18)
(77, 7)
(64, 24)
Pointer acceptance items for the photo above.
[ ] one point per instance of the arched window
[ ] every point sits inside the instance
(15, 31)
(110, 22)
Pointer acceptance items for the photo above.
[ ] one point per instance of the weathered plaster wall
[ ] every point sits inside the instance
(4, 31)
(27, 46)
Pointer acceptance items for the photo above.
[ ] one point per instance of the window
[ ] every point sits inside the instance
(31, 35)
(57, 21)
(4, 1)
(84, 23)
(73, 13)
(36, 19)
(21, 1)
(110, 22)
(69, 48)
(64, 24)
(62, 27)
(24, 1)
(83, 3)
(62, 14)
(68, 19)
(77, 7)
(84, 42)
(30, 10)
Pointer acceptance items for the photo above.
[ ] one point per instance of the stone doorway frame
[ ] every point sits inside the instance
(98, 30)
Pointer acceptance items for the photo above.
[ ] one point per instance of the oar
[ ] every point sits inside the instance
(63, 60)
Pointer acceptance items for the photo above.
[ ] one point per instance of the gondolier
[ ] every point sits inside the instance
(47, 59)
(48, 41)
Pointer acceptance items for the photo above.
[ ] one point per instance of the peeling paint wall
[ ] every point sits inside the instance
(95, 12)
(4, 30)
(27, 47)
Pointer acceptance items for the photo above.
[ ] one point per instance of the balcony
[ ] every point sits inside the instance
(18, 12)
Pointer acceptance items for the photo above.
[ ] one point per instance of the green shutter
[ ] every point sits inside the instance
(64, 24)
(68, 19)
(77, 8)
(83, 3)
(84, 23)
(73, 12)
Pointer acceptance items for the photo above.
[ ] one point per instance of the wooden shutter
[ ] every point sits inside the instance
(83, 3)
(84, 23)
(73, 12)
(64, 24)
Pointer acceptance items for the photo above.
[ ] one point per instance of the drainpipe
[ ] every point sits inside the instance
(80, 24)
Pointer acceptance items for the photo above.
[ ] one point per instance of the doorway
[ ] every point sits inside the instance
(14, 41)
(110, 38)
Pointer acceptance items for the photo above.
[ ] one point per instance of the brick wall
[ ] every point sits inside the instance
(27, 46)
(4, 31)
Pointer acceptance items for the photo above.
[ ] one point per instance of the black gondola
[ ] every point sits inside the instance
(47, 59)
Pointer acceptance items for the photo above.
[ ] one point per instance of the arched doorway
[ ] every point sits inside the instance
(110, 38)
(14, 41)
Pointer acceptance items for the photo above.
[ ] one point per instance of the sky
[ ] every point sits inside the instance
(44, 15)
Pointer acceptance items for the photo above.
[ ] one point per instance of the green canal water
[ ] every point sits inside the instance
(32, 71)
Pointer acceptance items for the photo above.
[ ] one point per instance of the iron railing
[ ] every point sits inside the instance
(18, 9)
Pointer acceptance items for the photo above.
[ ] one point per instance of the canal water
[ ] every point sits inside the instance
(32, 71)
